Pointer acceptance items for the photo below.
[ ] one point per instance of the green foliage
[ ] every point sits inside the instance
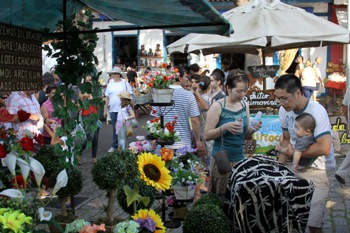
(209, 198)
(74, 52)
(109, 172)
(28, 206)
(50, 159)
(144, 191)
(74, 185)
(206, 218)
(54, 163)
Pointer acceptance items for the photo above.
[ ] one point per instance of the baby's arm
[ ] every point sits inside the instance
(296, 159)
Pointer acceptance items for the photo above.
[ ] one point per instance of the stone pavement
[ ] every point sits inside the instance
(337, 218)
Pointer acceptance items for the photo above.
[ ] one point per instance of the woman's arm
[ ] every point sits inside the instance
(213, 117)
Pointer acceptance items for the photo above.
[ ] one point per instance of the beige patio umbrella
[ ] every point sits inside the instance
(268, 24)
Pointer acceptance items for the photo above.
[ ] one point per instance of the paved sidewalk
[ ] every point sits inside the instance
(337, 218)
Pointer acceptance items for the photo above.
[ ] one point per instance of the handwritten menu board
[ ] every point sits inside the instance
(263, 71)
(20, 58)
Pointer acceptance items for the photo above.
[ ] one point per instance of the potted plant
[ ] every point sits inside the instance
(159, 83)
(206, 218)
(163, 134)
(185, 174)
(75, 58)
(109, 174)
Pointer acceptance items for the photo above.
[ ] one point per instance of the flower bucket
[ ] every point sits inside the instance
(180, 212)
(183, 192)
(162, 95)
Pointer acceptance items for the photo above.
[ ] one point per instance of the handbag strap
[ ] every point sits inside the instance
(222, 139)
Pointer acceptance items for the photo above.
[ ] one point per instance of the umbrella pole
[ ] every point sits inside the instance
(263, 56)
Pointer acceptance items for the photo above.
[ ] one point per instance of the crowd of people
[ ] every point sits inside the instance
(306, 144)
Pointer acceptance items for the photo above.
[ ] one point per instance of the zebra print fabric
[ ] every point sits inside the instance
(264, 196)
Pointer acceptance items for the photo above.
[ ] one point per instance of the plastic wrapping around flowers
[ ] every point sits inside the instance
(10, 161)
(140, 146)
(61, 181)
(44, 215)
(37, 169)
(12, 193)
(25, 168)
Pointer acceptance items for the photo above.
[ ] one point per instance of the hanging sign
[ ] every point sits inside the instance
(261, 99)
(20, 58)
(263, 71)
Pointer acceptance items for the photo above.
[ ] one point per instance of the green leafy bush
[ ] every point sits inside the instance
(209, 198)
(109, 172)
(206, 218)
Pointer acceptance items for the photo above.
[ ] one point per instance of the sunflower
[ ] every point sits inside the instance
(153, 171)
(145, 214)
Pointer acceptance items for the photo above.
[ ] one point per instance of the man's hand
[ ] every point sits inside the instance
(200, 145)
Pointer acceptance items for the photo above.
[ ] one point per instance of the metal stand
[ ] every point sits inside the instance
(172, 223)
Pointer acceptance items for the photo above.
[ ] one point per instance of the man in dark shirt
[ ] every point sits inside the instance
(132, 77)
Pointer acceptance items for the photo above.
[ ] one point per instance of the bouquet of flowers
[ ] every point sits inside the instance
(162, 79)
(140, 146)
(168, 133)
(83, 226)
(153, 126)
(145, 220)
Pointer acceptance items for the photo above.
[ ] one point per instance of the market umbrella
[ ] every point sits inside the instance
(268, 24)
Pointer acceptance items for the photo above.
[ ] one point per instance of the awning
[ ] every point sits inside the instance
(176, 15)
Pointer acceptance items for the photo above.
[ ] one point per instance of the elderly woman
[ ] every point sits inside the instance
(228, 126)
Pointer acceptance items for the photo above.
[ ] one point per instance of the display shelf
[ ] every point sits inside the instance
(143, 56)
(171, 103)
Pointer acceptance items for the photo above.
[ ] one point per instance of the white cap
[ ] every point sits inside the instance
(115, 70)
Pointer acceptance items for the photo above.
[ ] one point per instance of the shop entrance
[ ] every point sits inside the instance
(125, 50)
(179, 59)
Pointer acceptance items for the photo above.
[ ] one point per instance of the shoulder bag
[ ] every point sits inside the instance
(221, 158)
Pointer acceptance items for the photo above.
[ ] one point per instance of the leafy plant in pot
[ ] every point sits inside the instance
(53, 162)
(109, 174)
(75, 58)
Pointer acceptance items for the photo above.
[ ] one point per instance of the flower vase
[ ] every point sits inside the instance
(162, 95)
(183, 192)
(180, 212)
(163, 142)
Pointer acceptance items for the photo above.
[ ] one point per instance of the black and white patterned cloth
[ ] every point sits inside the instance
(264, 196)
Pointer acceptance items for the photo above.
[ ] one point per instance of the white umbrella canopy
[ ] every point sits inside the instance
(268, 24)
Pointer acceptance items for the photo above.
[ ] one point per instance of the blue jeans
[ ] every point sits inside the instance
(114, 117)
(308, 91)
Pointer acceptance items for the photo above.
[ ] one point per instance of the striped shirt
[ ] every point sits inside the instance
(184, 108)
(19, 100)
